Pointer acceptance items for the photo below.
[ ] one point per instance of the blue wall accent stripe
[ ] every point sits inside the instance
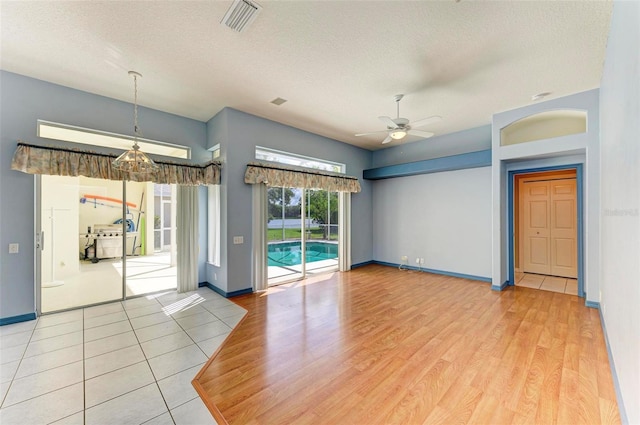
(365, 263)
(436, 165)
(501, 287)
(442, 272)
(17, 319)
(623, 412)
(239, 292)
(580, 202)
(592, 304)
(225, 293)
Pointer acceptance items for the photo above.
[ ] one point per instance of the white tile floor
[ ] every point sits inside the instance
(122, 363)
(97, 282)
(547, 283)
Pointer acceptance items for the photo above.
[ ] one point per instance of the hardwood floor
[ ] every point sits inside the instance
(379, 345)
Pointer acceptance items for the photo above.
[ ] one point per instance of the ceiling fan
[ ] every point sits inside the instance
(398, 128)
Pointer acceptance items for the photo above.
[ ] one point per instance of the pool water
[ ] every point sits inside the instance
(289, 253)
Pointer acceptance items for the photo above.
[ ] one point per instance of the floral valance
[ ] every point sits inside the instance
(277, 175)
(70, 162)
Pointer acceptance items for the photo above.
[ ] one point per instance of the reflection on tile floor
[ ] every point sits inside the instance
(547, 283)
(127, 362)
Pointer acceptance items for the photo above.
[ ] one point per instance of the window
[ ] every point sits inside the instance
(213, 217)
(86, 136)
(266, 154)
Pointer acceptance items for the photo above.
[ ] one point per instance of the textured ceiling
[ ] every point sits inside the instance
(338, 63)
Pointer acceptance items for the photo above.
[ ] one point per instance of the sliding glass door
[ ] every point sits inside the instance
(302, 233)
(151, 260)
(95, 242)
(284, 234)
(80, 248)
(321, 248)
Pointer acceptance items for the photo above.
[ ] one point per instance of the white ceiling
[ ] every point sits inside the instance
(338, 63)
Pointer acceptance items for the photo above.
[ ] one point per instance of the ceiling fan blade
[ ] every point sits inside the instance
(388, 122)
(420, 133)
(426, 121)
(373, 132)
(387, 140)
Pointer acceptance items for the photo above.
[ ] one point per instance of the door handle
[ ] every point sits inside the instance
(40, 240)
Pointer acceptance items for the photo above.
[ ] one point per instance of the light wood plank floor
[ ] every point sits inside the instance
(379, 345)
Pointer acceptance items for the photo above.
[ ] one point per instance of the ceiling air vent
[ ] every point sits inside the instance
(278, 101)
(241, 14)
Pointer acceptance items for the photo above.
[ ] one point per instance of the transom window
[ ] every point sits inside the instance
(87, 136)
(286, 158)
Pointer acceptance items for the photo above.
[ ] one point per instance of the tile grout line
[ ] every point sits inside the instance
(43, 394)
(82, 320)
(4, 398)
(151, 369)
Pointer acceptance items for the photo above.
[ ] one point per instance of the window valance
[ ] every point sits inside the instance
(70, 162)
(277, 175)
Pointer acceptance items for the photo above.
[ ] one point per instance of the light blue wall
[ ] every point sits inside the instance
(239, 133)
(24, 100)
(218, 133)
(620, 164)
(441, 217)
(410, 213)
(471, 140)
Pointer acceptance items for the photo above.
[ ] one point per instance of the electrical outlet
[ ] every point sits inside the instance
(238, 240)
(14, 248)
(422, 261)
(418, 260)
(404, 258)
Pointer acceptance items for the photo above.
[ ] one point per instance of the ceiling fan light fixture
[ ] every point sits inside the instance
(398, 134)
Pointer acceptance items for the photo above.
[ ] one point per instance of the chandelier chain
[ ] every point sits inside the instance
(136, 130)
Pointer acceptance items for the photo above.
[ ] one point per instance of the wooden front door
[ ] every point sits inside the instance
(550, 227)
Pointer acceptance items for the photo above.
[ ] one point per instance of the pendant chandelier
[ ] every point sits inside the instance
(134, 160)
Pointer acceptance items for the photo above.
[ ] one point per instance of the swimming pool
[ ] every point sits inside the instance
(289, 253)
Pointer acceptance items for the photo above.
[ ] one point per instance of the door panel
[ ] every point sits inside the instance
(565, 253)
(550, 227)
(538, 215)
(536, 228)
(539, 251)
(564, 260)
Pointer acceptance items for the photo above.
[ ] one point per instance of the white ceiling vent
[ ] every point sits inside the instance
(241, 14)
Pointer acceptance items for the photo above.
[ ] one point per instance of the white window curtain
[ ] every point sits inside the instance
(187, 238)
(259, 269)
(344, 231)
(213, 212)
